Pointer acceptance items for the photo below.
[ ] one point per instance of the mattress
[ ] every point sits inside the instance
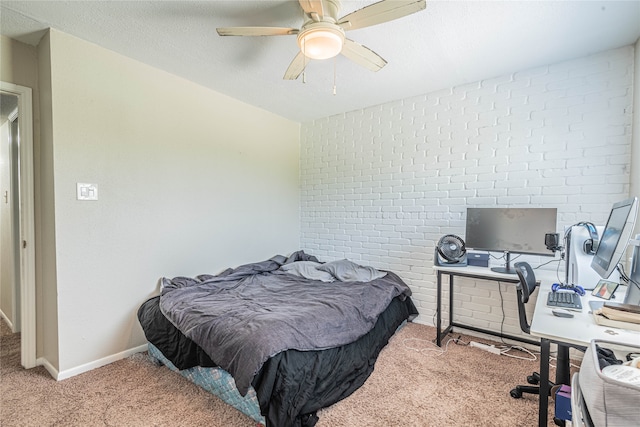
(291, 385)
(330, 375)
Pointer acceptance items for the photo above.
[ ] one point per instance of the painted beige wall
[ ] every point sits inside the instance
(47, 304)
(189, 181)
(18, 63)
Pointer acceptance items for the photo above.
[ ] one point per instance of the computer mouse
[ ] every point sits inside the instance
(561, 312)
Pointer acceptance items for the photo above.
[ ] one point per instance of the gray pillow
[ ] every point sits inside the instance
(348, 271)
(307, 269)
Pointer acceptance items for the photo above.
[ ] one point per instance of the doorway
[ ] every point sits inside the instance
(18, 205)
(9, 233)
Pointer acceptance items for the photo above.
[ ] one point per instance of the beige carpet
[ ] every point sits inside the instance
(463, 387)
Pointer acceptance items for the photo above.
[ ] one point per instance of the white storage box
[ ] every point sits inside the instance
(610, 402)
(579, 414)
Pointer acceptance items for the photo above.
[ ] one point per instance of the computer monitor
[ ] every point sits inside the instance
(510, 230)
(615, 237)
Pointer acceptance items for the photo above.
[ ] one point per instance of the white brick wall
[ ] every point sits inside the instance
(381, 185)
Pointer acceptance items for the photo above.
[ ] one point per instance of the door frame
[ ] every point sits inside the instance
(26, 218)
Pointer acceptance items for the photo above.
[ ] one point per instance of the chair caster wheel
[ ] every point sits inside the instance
(515, 393)
(532, 379)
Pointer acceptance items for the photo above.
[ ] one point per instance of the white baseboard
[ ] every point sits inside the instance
(68, 373)
(7, 321)
(41, 361)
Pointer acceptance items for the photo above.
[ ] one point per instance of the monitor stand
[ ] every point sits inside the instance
(507, 268)
(633, 290)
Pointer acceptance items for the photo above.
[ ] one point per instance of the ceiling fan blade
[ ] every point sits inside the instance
(256, 31)
(383, 11)
(362, 55)
(312, 6)
(296, 67)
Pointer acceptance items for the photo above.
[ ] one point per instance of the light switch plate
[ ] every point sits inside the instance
(86, 191)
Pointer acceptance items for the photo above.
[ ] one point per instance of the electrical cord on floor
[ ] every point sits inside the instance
(533, 355)
(439, 350)
(505, 352)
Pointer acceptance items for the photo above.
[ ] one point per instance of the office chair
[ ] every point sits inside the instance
(524, 290)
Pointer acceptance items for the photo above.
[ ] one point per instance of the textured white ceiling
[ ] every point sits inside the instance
(448, 44)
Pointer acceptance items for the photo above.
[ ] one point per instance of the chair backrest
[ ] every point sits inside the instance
(524, 290)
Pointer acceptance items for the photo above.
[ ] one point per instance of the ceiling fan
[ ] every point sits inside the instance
(322, 34)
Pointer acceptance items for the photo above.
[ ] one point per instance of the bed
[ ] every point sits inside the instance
(278, 339)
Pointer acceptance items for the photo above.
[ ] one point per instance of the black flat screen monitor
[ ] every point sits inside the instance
(510, 230)
(615, 237)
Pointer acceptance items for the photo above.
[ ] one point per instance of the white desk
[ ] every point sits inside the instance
(578, 330)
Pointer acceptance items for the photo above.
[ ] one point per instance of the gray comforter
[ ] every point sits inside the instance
(242, 317)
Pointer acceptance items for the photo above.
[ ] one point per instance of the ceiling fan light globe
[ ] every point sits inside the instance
(321, 43)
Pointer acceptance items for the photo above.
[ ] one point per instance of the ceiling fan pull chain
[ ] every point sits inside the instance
(304, 68)
(335, 61)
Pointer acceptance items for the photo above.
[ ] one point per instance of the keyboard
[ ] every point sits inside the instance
(569, 300)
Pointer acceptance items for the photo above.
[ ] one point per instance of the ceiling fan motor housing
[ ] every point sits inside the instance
(321, 40)
(332, 8)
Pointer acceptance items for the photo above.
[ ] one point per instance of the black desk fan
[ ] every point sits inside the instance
(450, 252)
